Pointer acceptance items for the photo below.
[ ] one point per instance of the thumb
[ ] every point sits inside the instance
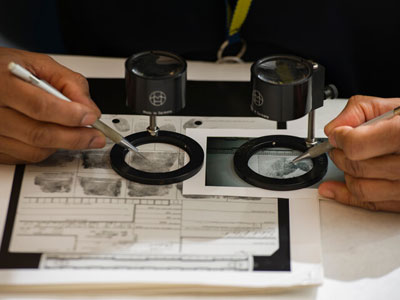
(338, 191)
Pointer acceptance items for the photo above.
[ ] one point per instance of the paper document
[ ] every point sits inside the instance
(74, 213)
(218, 176)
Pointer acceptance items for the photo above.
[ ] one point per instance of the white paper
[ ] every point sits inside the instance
(197, 184)
(80, 214)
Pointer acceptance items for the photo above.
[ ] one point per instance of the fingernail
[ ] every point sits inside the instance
(88, 119)
(327, 193)
(97, 142)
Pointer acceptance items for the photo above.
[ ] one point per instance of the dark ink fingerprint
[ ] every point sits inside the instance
(155, 162)
(284, 168)
(54, 182)
(142, 190)
(95, 159)
(59, 159)
(101, 186)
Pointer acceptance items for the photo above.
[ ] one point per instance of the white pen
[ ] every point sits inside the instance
(24, 74)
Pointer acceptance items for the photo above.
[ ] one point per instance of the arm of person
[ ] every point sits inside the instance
(368, 155)
(33, 123)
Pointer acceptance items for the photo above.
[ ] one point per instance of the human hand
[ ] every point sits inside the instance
(34, 123)
(368, 155)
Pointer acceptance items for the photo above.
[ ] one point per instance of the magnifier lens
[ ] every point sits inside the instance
(282, 70)
(266, 162)
(160, 158)
(156, 65)
(155, 83)
(277, 163)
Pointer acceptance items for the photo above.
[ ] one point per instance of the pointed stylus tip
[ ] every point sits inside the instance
(300, 157)
(296, 160)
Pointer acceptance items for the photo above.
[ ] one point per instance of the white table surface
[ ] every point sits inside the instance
(361, 249)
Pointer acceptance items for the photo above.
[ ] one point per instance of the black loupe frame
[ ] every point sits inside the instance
(190, 146)
(247, 150)
(139, 87)
(288, 100)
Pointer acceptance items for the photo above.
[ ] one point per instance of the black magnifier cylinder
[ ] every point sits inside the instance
(282, 87)
(155, 83)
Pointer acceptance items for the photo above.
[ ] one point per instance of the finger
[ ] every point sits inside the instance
(39, 104)
(373, 190)
(9, 160)
(382, 167)
(392, 206)
(22, 152)
(360, 109)
(368, 141)
(70, 83)
(42, 106)
(339, 192)
(47, 135)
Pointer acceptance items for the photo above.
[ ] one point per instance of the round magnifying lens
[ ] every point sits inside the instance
(282, 88)
(283, 70)
(159, 168)
(277, 163)
(155, 83)
(156, 65)
(159, 158)
(266, 162)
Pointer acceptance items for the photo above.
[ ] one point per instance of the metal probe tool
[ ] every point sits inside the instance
(326, 146)
(24, 74)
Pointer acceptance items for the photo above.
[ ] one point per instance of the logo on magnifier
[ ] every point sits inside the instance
(257, 98)
(157, 98)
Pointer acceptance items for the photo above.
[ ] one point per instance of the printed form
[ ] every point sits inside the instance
(78, 213)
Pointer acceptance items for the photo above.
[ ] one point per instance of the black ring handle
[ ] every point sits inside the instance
(190, 146)
(247, 150)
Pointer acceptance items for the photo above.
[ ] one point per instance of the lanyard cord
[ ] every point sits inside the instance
(235, 22)
(233, 25)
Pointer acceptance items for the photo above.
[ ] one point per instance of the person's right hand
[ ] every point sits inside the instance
(368, 155)
(34, 123)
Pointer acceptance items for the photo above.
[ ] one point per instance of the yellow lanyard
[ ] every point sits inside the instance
(234, 23)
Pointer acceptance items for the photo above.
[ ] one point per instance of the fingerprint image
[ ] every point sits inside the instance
(61, 158)
(54, 182)
(142, 190)
(284, 168)
(156, 162)
(277, 163)
(101, 186)
(95, 159)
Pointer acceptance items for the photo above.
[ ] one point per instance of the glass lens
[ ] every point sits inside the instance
(156, 65)
(283, 71)
(277, 163)
(160, 158)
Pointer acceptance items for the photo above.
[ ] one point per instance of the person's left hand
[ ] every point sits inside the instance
(368, 155)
